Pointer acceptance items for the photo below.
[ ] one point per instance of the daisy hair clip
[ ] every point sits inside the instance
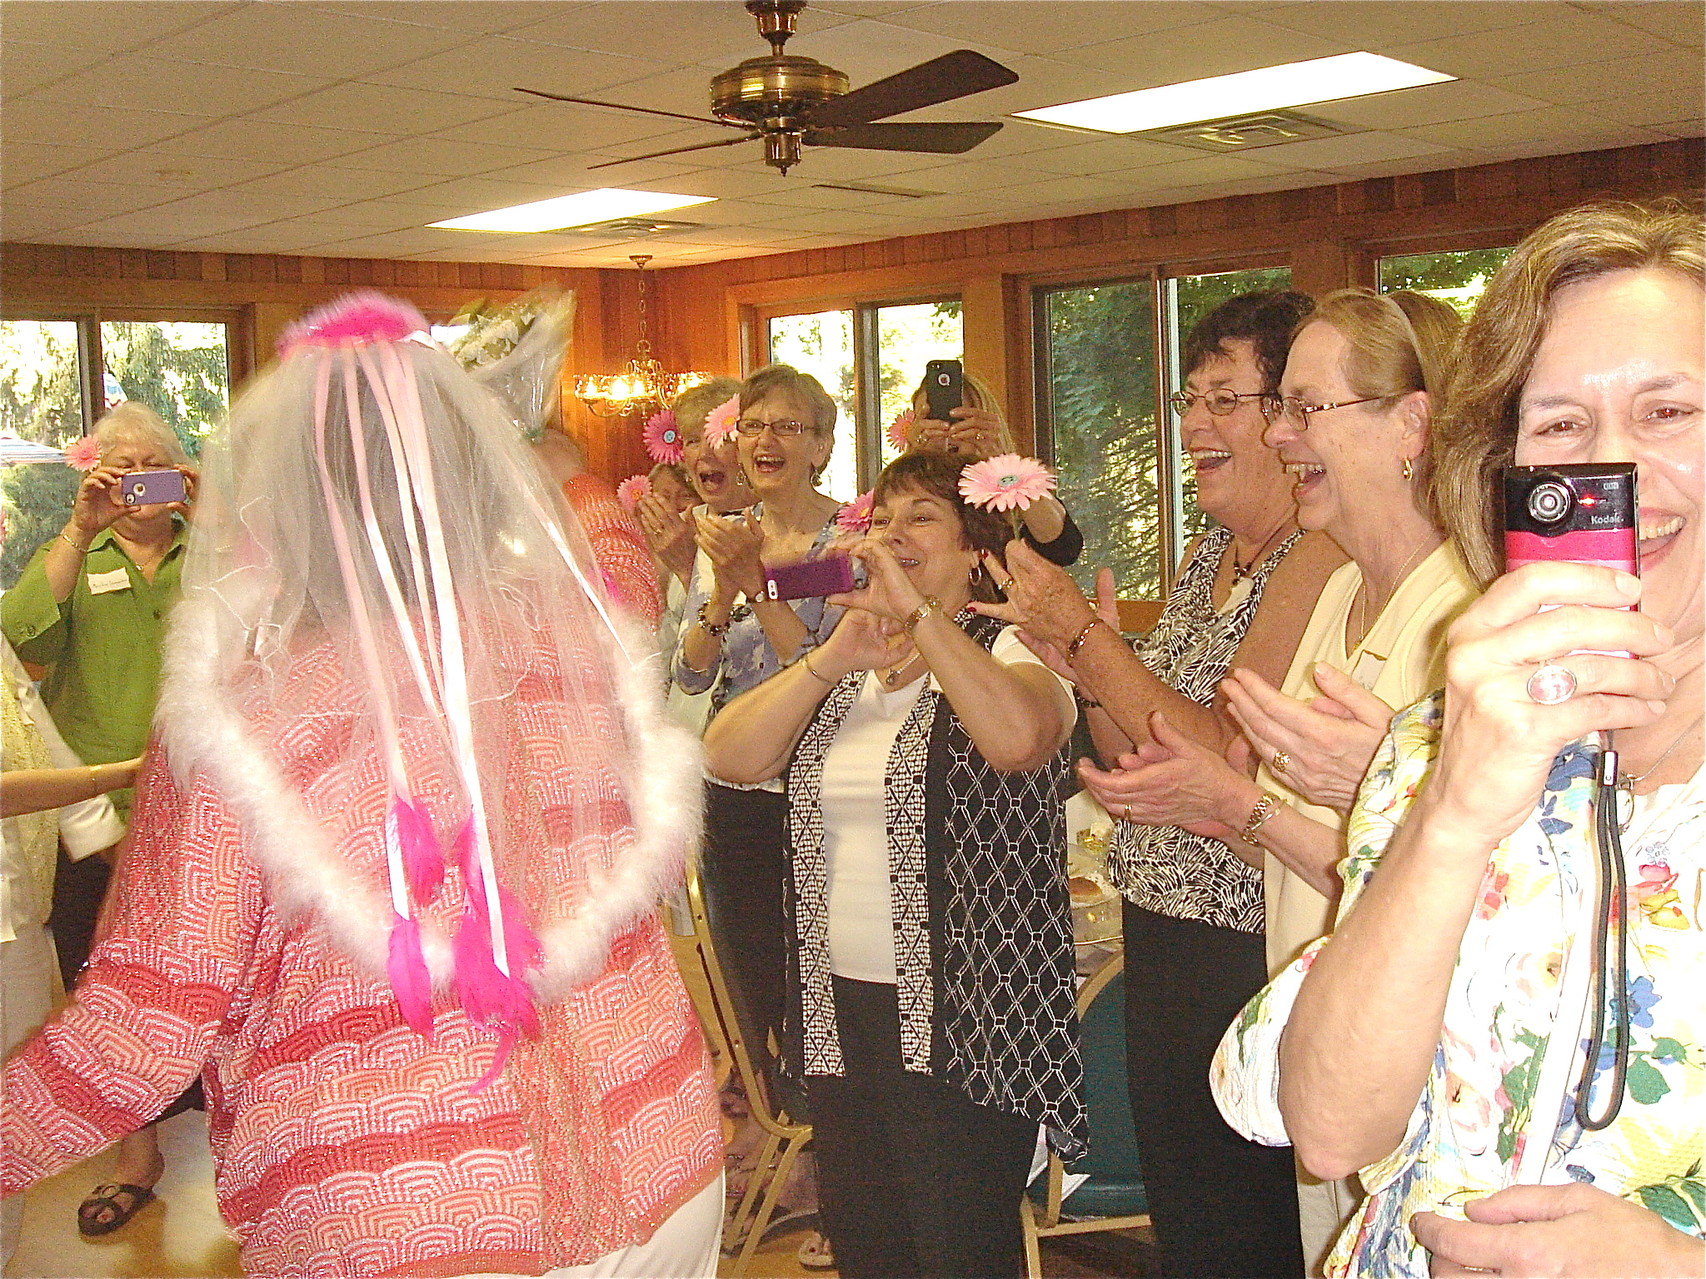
(1007, 482)
(855, 517)
(720, 421)
(84, 455)
(663, 437)
(900, 430)
(631, 490)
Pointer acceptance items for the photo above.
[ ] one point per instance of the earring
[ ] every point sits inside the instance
(1409, 471)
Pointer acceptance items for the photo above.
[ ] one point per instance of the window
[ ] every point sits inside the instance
(1101, 420)
(1097, 401)
(869, 358)
(57, 376)
(1458, 277)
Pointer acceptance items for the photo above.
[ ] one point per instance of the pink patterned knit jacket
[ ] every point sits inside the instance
(344, 1143)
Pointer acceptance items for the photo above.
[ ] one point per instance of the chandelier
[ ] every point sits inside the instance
(644, 385)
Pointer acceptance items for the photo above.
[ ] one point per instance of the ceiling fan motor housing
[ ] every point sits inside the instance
(771, 92)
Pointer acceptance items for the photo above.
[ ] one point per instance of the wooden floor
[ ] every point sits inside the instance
(181, 1236)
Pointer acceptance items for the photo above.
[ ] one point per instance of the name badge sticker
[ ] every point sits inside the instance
(107, 583)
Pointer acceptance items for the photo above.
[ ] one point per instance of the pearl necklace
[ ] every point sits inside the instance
(896, 675)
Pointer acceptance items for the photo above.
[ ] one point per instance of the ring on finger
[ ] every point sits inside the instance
(1125, 812)
(1552, 684)
(1281, 761)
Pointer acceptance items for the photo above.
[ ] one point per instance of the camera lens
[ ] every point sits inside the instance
(1550, 501)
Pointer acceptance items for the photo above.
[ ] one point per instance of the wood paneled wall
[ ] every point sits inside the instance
(706, 317)
(1331, 236)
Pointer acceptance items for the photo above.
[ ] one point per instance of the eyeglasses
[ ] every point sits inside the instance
(1220, 401)
(752, 428)
(1297, 411)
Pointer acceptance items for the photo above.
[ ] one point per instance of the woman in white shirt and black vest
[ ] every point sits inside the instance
(931, 980)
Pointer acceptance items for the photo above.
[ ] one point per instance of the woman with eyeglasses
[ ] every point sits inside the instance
(1351, 427)
(1193, 910)
(733, 639)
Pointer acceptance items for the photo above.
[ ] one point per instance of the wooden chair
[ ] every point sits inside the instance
(783, 1138)
(1113, 1197)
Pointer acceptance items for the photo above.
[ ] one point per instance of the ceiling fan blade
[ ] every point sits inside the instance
(703, 146)
(953, 75)
(943, 139)
(623, 106)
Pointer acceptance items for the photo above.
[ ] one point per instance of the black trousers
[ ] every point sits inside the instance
(914, 1180)
(740, 871)
(1222, 1207)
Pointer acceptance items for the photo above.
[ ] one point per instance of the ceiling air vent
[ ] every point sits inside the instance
(1246, 132)
(871, 188)
(630, 228)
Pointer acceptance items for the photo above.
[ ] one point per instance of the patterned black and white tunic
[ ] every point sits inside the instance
(983, 928)
(1162, 868)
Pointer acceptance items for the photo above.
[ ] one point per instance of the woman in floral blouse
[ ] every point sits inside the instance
(1437, 1043)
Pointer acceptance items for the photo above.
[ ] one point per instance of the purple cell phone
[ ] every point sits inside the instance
(149, 488)
(827, 574)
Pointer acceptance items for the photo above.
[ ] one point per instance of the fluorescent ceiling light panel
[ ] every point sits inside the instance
(573, 210)
(1293, 84)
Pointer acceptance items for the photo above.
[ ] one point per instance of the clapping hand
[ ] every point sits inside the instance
(669, 533)
(1168, 781)
(1327, 743)
(734, 546)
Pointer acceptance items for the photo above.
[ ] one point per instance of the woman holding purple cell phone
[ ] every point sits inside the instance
(1504, 1033)
(91, 606)
(930, 994)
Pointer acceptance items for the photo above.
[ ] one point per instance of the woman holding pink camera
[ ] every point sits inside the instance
(930, 945)
(1505, 1030)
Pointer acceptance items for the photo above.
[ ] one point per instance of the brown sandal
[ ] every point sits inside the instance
(92, 1218)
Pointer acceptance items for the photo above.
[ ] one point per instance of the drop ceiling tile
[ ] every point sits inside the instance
(1334, 154)
(570, 173)
(483, 18)
(1205, 49)
(29, 119)
(87, 201)
(868, 50)
(341, 186)
(159, 84)
(375, 108)
(1375, 24)
(683, 32)
(1615, 78)
(1643, 109)
(276, 37)
(390, 244)
(25, 66)
(168, 227)
(365, 217)
(1567, 40)
(1100, 154)
(686, 90)
(722, 184)
(476, 195)
(31, 224)
(1424, 105)
(106, 27)
(1518, 129)
(1681, 21)
(28, 161)
(171, 176)
(1048, 26)
(115, 236)
(1201, 169)
(1680, 128)
(429, 157)
(493, 67)
(276, 237)
(247, 137)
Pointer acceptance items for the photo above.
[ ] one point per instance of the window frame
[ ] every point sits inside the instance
(867, 398)
(238, 342)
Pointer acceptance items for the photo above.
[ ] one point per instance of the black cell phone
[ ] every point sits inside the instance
(944, 388)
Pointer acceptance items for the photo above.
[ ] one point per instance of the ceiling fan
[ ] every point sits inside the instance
(790, 101)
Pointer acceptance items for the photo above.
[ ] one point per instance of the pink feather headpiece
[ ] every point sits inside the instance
(353, 320)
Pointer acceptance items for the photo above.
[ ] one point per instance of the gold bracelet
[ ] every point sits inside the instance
(81, 550)
(806, 662)
(1266, 807)
(930, 605)
(1078, 639)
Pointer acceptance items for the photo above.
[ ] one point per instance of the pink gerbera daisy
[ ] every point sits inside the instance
(720, 421)
(84, 455)
(1005, 483)
(631, 490)
(663, 437)
(900, 430)
(855, 517)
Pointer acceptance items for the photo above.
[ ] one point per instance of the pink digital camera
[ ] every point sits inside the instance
(828, 574)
